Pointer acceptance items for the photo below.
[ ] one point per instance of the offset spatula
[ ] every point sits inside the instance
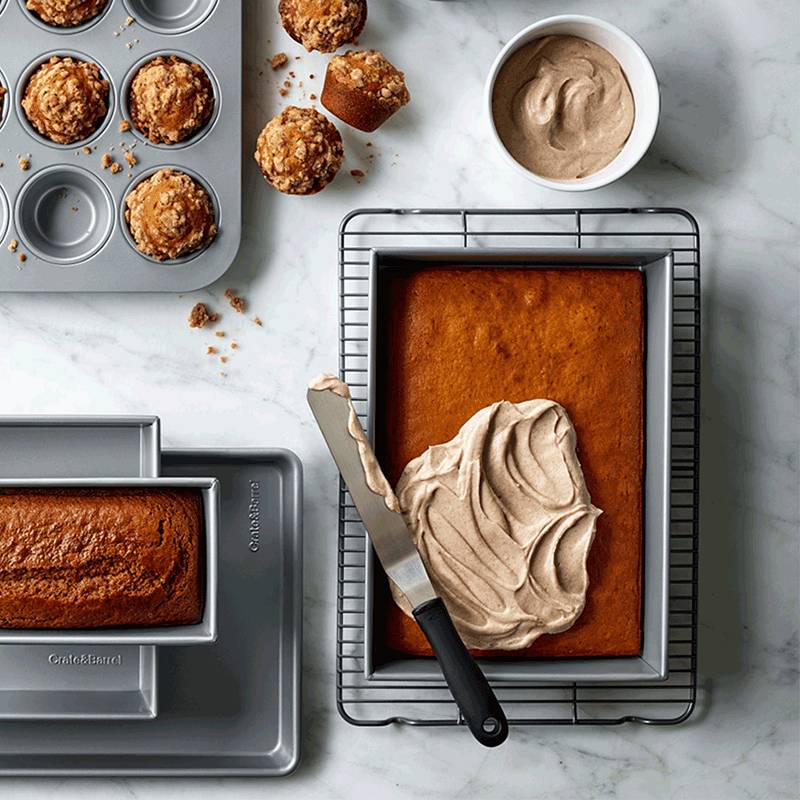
(392, 542)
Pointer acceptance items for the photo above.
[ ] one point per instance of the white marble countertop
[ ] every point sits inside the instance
(725, 150)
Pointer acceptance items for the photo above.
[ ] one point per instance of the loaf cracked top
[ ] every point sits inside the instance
(92, 558)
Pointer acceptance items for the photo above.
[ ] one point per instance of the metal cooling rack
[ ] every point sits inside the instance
(373, 703)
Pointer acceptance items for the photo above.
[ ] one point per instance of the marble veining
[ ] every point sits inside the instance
(726, 151)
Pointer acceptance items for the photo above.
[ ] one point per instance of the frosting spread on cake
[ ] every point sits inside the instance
(373, 473)
(503, 521)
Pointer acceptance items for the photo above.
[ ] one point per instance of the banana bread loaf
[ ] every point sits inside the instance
(95, 558)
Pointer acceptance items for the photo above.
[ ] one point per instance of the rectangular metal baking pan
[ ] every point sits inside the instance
(651, 664)
(203, 632)
(100, 681)
(229, 708)
(48, 683)
(89, 248)
(79, 447)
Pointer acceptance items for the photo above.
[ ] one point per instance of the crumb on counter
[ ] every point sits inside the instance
(220, 334)
(279, 60)
(257, 321)
(130, 158)
(223, 359)
(211, 350)
(86, 150)
(238, 304)
(25, 164)
(312, 96)
(12, 246)
(124, 126)
(234, 345)
(357, 173)
(106, 161)
(200, 316)
(22, 258)
(115, 168)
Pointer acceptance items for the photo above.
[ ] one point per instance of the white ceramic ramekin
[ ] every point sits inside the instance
(641, 78)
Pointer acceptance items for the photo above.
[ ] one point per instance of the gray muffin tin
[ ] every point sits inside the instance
(651, 664)
(66, 212)
(227, 708)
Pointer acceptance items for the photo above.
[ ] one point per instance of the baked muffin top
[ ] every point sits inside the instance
(170, 99)
(299, 151)
(371, 73)
(66, 100)
(323, 25)
(169, 215)
(66, 13)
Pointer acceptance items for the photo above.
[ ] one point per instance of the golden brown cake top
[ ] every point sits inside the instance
(453, 340)
(299, 151)
(169, 215)
(170, 99)
(66, 13)
(66, 99)
(370, 72)
(323, 25)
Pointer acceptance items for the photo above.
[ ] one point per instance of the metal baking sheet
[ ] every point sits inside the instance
(66, 210)
(79, 447)
(203, 632)
(230, 708)
(651, 664)
(95, 682)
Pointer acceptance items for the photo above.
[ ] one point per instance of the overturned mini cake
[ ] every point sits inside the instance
(170, 215)
(363, 89)
(66, 100)
(503, 521)
(170, 99)
(299, 151)
(66, 13)
(323, 25)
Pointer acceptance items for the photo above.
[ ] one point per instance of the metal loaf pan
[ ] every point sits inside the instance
(66, 211)
(203, 632)
(44, 682)
(229, 708)
(651, 664)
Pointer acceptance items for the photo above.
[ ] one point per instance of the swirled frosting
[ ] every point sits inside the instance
(503, 521)
(563, 107)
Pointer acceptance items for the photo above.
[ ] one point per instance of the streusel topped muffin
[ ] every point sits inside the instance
(170, 215)
(170, 99)
(363, 88)
(323, 25)
(66, 13)
(66, 100)
(299, 151)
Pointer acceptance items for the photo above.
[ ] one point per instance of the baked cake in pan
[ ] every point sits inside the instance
(453, 340)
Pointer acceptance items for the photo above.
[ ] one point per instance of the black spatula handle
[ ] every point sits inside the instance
(468, 685)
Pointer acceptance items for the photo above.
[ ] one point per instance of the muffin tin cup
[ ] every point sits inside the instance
(126, 231)
(61, 30)
(22, 84)
(195, 137)
(207, 33)
(64, 214)
(8, 99)
(170, 17)
(4, 214)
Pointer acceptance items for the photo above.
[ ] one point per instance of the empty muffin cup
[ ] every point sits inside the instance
(64, 214)
(170, 16)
